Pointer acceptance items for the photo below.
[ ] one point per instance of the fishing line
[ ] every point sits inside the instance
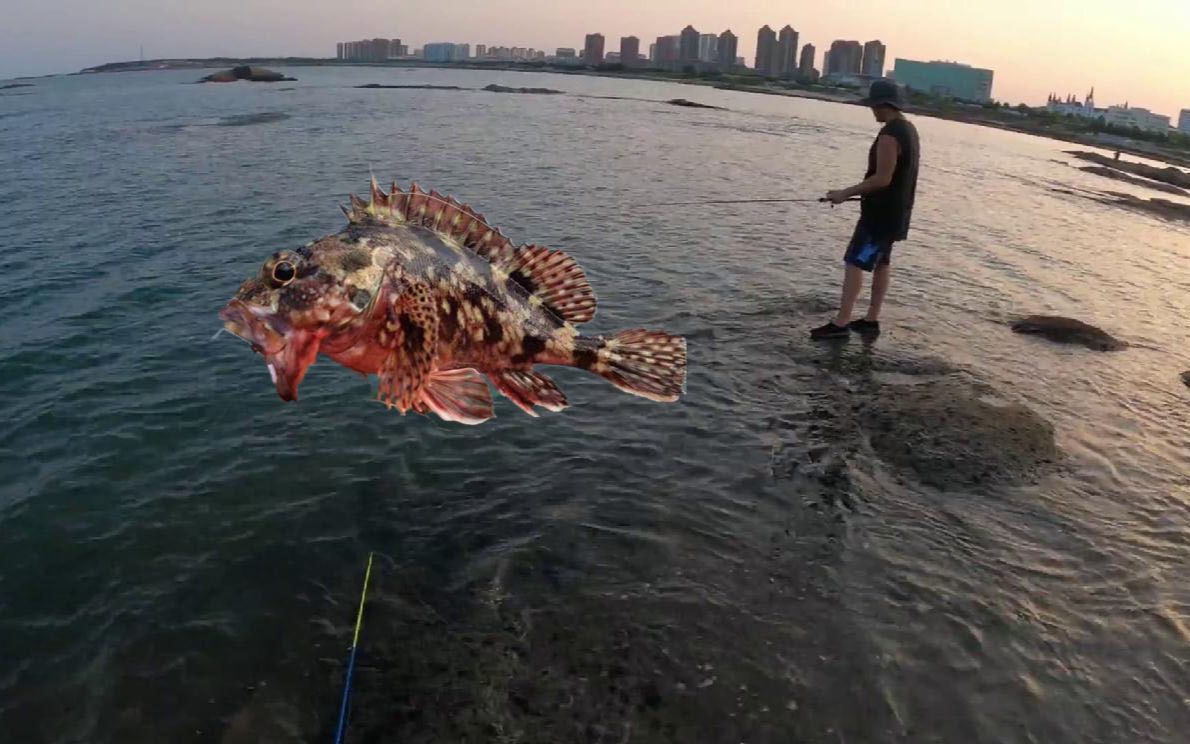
(740, 201)
(359, 620)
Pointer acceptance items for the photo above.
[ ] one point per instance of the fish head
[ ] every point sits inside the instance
(299, 302)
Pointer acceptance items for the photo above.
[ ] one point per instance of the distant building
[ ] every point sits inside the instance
(805, 68)
(593, 50)
(629, 51)
(946, 79)
(1141, 118)
(708, 48)
(1184, 121)
(826, 61)
(846, 58)
(667, 50)
(439, 52)
(873, 59)
(688, 45)
(727, 48)
(566, 53)
(370, 50)
(481, 50)
(787, 52)
(611, 58)
(1071, 106)
(766, 51)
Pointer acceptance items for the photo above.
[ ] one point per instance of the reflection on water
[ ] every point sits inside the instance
(180, 552)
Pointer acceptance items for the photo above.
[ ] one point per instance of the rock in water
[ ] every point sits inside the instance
(691, 104)
(246, 72)
(1186, 378)
(493, 88)
(1068, 331)
(952, 435)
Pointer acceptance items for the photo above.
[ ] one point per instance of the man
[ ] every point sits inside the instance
(887, 193)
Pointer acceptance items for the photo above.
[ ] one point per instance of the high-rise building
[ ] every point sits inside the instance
(1184, 121)
(688, 45)
(339, 50)
(726, 47)
(439, 52)
(593, 50)
(481, 50)
(846, 58)
(787, 52)
(708, 48)
(629, 51)
(667, 50)
(766, 46)
(946, 79)
(806, 67)
(873, 59)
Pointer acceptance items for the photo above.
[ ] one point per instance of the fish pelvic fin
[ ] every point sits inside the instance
(527, 388)
(552, 277)
(458, 395)
(651, 364)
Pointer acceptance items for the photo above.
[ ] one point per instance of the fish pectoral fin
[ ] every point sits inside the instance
(459, 395)
(527, 388)
(554, 279)
(410, 333)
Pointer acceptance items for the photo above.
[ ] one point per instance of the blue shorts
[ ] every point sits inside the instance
(865, 252)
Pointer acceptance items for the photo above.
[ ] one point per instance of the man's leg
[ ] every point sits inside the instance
(880, 280)
(853, 282)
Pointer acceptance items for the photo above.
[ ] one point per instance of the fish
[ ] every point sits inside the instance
(419, 290)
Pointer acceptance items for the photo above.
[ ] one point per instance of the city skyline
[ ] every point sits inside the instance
(1128, 53)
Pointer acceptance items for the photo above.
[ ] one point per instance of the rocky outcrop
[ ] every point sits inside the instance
(1068, 331)
(950, 434)
(375, 86)
(1169, 174)
(493, 88)
(1104, 171)
(691, 104)
(1186, 378)
(246, 72)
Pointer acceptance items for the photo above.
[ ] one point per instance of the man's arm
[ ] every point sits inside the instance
(886, 164)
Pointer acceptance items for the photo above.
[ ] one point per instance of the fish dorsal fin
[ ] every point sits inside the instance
(550, 276)
(555, 279)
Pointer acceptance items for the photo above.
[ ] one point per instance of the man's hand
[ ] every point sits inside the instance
(838, 197)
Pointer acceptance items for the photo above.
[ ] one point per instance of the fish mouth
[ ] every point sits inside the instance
(288, 353)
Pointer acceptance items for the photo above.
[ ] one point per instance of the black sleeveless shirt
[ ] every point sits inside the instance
(885, 213)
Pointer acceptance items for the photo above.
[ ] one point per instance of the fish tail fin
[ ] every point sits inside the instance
(651, 364)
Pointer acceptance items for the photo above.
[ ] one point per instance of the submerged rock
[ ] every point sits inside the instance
(950, 434)
(246, 120)
(1068, 331)
(691, 104)
(493, 88)
(246, 72)
(373, 86)
(10, 86)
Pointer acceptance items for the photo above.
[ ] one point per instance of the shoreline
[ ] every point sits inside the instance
(973, 115)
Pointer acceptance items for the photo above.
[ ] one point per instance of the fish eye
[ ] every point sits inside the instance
(283, 272)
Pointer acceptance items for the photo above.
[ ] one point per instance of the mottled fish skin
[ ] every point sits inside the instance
(420, 290)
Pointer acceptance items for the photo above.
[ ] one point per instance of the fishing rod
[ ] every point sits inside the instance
(742, 201)
(359, 620)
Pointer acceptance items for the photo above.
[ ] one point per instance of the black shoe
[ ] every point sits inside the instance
(865, 327)
(829, 331)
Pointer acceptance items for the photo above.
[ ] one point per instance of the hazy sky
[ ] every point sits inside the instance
(1135, 50)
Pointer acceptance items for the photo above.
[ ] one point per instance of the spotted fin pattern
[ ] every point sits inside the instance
(526, 389)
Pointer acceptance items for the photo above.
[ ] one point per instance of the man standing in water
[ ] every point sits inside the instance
(887, 194)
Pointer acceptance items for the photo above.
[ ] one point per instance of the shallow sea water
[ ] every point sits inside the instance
(181, 552)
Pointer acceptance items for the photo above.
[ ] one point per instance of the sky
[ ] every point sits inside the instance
(1133, 51)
